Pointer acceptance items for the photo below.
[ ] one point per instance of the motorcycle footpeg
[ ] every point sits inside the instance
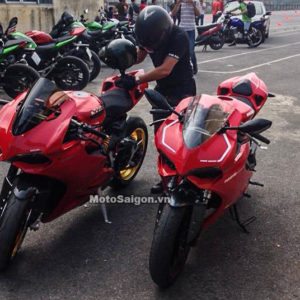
(104, 213)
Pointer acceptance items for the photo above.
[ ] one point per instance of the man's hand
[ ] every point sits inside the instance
(126, 82)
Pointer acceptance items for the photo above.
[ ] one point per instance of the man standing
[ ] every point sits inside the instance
(133, 11)
(122, 8)
(215, 8)
(189, 10)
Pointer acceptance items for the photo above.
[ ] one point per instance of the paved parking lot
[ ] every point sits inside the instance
(80, 257)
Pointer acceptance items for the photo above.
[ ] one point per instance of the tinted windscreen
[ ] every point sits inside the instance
(200, 122)
(43, 100)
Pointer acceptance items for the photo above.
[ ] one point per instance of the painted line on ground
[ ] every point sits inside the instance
(252, 67)
(247, 53)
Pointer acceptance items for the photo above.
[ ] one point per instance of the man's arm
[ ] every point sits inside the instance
(176, 8)
(160, 72)
(196, 6)
(141, 55)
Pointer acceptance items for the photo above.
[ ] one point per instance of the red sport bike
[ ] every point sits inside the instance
(57, 144)
(206, 160)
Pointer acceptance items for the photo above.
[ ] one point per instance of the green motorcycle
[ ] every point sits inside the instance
(15, 76)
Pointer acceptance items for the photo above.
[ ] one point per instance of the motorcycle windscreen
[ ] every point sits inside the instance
(201, 122)
(41, 103)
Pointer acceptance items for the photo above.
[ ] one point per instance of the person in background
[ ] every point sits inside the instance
(176, 18)
(202, 13)
(222, 5)
(247, 21)
(215, 8)
(189, 10)
(153, 2)
(143, 4)
(122, 8)
(110, 13)
(133, 11)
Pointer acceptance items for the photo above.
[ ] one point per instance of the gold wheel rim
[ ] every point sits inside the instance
(138, 135)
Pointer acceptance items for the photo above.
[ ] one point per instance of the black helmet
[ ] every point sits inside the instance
(153, 27)
(67, 18)
(119, 54)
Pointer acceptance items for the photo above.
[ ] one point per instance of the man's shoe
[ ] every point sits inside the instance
(232, 44)
(157, 188)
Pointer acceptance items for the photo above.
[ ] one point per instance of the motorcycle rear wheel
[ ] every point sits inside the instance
(13, 227)
(71, 73)
(217, 45)
(170, 249)
(18, 78)
(137, 130)
(255, 38)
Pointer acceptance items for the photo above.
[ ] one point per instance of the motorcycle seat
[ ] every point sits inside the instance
(45, 48)
(117, 102)
(203, 28)
(62, 38)
(95, 34)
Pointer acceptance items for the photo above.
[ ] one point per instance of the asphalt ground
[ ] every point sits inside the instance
(78, 256)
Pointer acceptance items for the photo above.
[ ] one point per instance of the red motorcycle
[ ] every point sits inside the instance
(206, 160)
(210, 35)
(59, 146)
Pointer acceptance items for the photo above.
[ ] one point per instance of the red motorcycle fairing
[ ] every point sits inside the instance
(40, 37)
(220, 152)
(248, 88)
(77, 31)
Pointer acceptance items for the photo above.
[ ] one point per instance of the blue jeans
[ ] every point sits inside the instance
(246, 26)
(192, 36)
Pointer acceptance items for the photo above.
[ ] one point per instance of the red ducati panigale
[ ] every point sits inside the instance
(206, 160)
(59, 146)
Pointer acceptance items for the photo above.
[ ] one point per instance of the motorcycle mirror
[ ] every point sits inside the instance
(270, 95)
(11, 25)
(268, 13)
(157, 100)
(253, 126)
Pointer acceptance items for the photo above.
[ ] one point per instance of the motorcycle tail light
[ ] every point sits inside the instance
(32, 158)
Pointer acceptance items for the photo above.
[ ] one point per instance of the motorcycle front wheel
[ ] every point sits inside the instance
(18, 78)
(71, 73)
(170, 249)
(14, 219)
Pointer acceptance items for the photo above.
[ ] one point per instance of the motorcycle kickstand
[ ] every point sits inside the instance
(204, 49)
(104, 213)
(234, 213)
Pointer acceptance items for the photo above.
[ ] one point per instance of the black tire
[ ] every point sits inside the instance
(93, 63)
(169, 250)
(18, 78)
(13, 229)
(136, 126)
(267, 34)
(256, 38)
(71, 73)
(217, 45)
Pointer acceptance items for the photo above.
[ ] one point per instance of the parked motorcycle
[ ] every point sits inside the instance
(66, 26)
(68, 72)
(15, 77)
(207, 156)
(233, 30)
(210, 35)
(59, 146)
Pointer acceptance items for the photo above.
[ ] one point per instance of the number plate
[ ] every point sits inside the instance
(35, 57)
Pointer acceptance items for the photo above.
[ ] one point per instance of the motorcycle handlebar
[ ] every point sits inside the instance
(261, 138)
(88, 129)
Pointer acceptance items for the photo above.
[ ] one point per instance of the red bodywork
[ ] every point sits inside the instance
(70, 163)
(219, 151)
(40, 37)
